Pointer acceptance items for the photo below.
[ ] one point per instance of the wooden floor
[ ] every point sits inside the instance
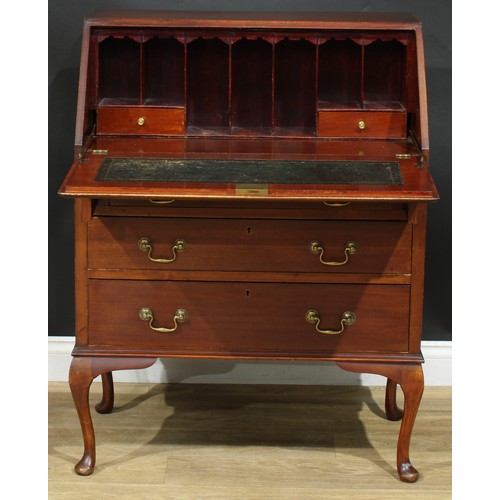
(181, 441)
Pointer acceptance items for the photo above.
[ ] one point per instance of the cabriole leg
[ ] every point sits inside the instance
(108, 394)
(412, 384)
(82, 372)
(80, 378)
(410, 378)
(392, 410)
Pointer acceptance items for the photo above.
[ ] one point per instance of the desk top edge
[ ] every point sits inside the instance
(246, 19)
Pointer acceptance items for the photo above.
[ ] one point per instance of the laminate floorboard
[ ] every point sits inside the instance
(194, 441)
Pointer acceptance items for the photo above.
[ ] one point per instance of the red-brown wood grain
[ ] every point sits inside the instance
(237, 20)
(82, 372)
(418, 184)
(419, 218)
(82, 216)
(140, 120)
(246, 86)
(250, 245)
(241, 209)
(239, 319)
(374, 124)
(288, 120)
(410, 378)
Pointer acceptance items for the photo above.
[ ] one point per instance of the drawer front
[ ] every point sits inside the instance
(235, 319)
(248, 209)
(249, 245)
(136, 120)
(362, 124)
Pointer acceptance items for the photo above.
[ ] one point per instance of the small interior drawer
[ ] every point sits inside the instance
(140, 120)
(362, 124)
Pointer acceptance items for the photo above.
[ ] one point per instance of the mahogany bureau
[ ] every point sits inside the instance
(250, 186)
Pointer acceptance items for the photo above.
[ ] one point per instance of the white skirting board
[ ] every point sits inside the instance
(437, 369)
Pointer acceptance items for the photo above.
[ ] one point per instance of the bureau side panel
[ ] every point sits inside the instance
(418, 215)
(82, 217)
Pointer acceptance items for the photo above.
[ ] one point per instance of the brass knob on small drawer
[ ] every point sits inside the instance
(145, 245)
(180, 316)
(351, 247)
(348, 318)
(141, 121)
(361, 125)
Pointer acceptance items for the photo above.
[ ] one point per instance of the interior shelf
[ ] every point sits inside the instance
(362, 106)
(340, 73)
(256, 84)
(251, 86)
(119, 68)
(384, 71)
(207, 86)
(163, 72)
(119, 101)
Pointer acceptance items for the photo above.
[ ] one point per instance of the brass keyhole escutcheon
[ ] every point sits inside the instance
(361, 125)
(141, 121)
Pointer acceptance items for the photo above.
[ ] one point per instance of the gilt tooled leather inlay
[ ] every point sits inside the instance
(249, 171)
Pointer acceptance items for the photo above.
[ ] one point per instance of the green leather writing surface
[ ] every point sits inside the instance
(249, 171)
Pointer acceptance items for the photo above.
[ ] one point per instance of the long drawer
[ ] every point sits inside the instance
(249, 245)
(247, 319)
(224, 209)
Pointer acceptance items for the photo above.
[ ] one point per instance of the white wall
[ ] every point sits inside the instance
(437, 369)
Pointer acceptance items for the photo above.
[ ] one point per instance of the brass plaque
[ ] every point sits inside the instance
(252, 189)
